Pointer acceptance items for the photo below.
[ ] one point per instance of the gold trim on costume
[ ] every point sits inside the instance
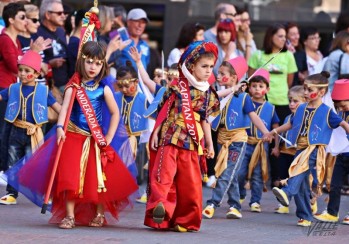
(126, 81)
(91, 60)
(35, 132)
(92, 87)
(315, 85)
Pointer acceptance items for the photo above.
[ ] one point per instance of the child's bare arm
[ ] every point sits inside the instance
(154, 143)
(114, 112)
(0, 98)
(63, 114)
(345, 126)
(56, 107)
(136, 56)
(275, 151)
(206, 127)
(258, 122)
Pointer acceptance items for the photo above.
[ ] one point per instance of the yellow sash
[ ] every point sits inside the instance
(300, 163)
(35, 132)
(258, 154)
(225, 138)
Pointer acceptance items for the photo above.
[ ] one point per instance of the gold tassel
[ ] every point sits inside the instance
(205, 178)
(248, 185)
(104, 177)
(265, 189)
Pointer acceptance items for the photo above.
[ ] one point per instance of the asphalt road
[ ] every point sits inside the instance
(23, 223)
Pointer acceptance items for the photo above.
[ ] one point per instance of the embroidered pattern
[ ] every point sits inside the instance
(40, 110)
(233, 117)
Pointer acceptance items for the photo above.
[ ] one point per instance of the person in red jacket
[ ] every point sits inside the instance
(10, 49)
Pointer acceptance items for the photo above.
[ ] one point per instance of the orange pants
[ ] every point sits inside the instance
(179, 189)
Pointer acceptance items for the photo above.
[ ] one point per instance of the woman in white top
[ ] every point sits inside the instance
(311, 40)
(190, 32)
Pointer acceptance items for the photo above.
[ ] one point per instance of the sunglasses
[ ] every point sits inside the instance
(34, 20)
(226, 20)
(22, 17)
(57, 12)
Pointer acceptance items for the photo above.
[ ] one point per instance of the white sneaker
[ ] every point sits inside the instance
(256, 207)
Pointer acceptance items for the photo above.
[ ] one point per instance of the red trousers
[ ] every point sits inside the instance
(179, 188)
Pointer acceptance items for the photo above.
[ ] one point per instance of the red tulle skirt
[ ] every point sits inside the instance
(119, 183)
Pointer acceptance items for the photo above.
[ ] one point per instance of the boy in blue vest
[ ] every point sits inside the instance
(253, 173)
(27, 105)
(310, 131)
(232, 138)
(340, 97)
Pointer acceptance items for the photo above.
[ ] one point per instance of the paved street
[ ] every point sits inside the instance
(23, 223)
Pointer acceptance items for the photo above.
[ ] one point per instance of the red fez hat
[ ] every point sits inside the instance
(264, 73)
(31, 59)
(341, 90)
(239, 64)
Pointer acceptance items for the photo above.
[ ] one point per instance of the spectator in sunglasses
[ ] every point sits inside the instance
(222, 11)
(52, 19)
(27, 37)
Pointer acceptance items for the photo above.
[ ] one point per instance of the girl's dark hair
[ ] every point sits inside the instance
(122, 71)
(319, 78)
(227, 25)
(268, 38)
(308, 31)
(79, 15)
(10, 11)
(68, 27)
(188, 34)
(258, 79)
(94, 50)
(342, 21)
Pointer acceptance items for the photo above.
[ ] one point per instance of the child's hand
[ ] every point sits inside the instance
(210, 152)
(268, 137)
(40, 44)
(135, 55)
(154, 142)
(275, 151)
(60, 135)
(108, 139)
(117, 44)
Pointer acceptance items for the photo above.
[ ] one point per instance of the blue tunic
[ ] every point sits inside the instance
(96, 98)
